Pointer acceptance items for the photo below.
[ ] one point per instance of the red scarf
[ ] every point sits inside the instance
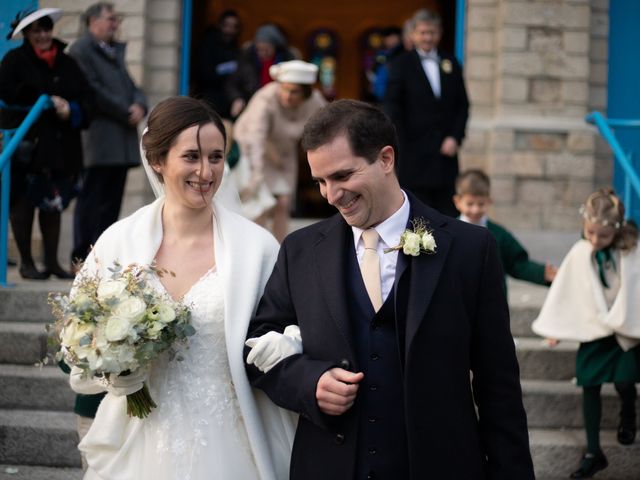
(48, 56)
(264, 71)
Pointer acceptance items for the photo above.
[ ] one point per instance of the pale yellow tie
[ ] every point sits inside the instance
(371, 267)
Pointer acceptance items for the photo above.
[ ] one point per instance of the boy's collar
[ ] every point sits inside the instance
(481, 223)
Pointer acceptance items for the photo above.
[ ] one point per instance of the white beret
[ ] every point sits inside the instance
(294, 71)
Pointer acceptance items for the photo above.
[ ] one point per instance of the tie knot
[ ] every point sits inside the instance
(370, 238)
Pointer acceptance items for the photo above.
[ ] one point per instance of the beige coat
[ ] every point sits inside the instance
(576, 307)
(268, 137)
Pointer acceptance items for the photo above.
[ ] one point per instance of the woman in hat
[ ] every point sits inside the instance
(269, 47)
(268, 132)
(45, 168)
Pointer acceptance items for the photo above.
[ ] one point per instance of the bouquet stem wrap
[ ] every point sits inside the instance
(140, 403)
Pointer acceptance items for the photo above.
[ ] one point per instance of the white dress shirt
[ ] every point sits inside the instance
(431, 65)
(389, 231)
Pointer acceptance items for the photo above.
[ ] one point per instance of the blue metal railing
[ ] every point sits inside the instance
(185, 47)
(11, 139)
(460, 27)
(631, 178)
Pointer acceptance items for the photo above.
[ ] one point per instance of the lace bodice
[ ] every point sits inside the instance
(198, 417)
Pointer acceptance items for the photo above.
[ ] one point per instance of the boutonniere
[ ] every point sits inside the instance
(446, 66)
(416, 240)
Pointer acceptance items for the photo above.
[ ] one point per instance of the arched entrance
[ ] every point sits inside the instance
(345, 28)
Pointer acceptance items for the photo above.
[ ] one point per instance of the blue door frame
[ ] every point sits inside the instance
(623, 101)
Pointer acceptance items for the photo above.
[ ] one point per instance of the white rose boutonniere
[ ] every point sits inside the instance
(446, 66)
(419, 239)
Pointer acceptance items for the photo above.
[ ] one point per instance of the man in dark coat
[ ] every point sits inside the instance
(111, 142)
(427, 100)
(218, 60)
(415, 377)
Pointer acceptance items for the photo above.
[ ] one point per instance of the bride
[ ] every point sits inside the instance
(209, 423)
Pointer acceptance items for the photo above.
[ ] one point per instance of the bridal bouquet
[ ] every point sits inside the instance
(117, 325)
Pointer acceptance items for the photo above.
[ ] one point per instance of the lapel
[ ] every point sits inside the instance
(445, 79)
(421, 75)
(330, 259)
(425, 269)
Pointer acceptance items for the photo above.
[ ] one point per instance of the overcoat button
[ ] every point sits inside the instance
(344, 363)
(339, 438)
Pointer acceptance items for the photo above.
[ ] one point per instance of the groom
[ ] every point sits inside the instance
(399, 350)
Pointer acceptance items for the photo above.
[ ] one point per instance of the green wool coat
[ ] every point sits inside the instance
(514, 258)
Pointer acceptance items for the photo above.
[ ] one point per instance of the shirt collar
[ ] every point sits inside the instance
(431, 54)
(391, 229)
(481, 223)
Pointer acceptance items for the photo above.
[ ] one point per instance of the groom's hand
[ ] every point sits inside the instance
(336, 390)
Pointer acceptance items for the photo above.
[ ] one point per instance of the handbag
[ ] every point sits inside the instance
(50, 192)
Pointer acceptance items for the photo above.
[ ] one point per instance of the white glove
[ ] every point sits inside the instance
(270, 348)
(126, 385)
(85, 385)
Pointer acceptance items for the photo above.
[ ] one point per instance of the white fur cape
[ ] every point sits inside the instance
(245, 255)
(575, 307)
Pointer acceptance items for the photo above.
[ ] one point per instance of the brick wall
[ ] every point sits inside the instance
(533, 70)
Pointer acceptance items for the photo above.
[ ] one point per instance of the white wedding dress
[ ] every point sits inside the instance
(196, 432)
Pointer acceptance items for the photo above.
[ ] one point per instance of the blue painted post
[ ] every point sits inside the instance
(5, 172)
(460, 19)
(185, 47)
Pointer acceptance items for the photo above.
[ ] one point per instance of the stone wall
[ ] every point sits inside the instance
(533, 70)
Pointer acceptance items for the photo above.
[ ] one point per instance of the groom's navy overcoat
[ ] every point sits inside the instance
(457, 371)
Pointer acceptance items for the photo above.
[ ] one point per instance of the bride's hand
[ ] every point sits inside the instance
(122, 385)
(85, 385)
(270, 348)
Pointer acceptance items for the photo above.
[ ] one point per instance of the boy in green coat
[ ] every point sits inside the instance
(473, 199)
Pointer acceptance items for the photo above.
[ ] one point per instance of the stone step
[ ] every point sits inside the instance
(27, 300)
(29, 387)
(525, 301)
(521, 319)
(538, 361)
(558, 404)
(557, 453)
(35, 437)
(26, 472)
(22, 343)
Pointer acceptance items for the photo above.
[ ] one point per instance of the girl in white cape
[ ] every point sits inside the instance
(595, 300)
(209, 423)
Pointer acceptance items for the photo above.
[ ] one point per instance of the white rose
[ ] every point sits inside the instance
(131, 308)
(82, 301)
(111, 289)
(95, 360)
(68, 334)
(154, 330)
(118, 328)
(166, 314)
(74, 332)
(100, 340)
(84, 352)
(411, 244)
(428, 242)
